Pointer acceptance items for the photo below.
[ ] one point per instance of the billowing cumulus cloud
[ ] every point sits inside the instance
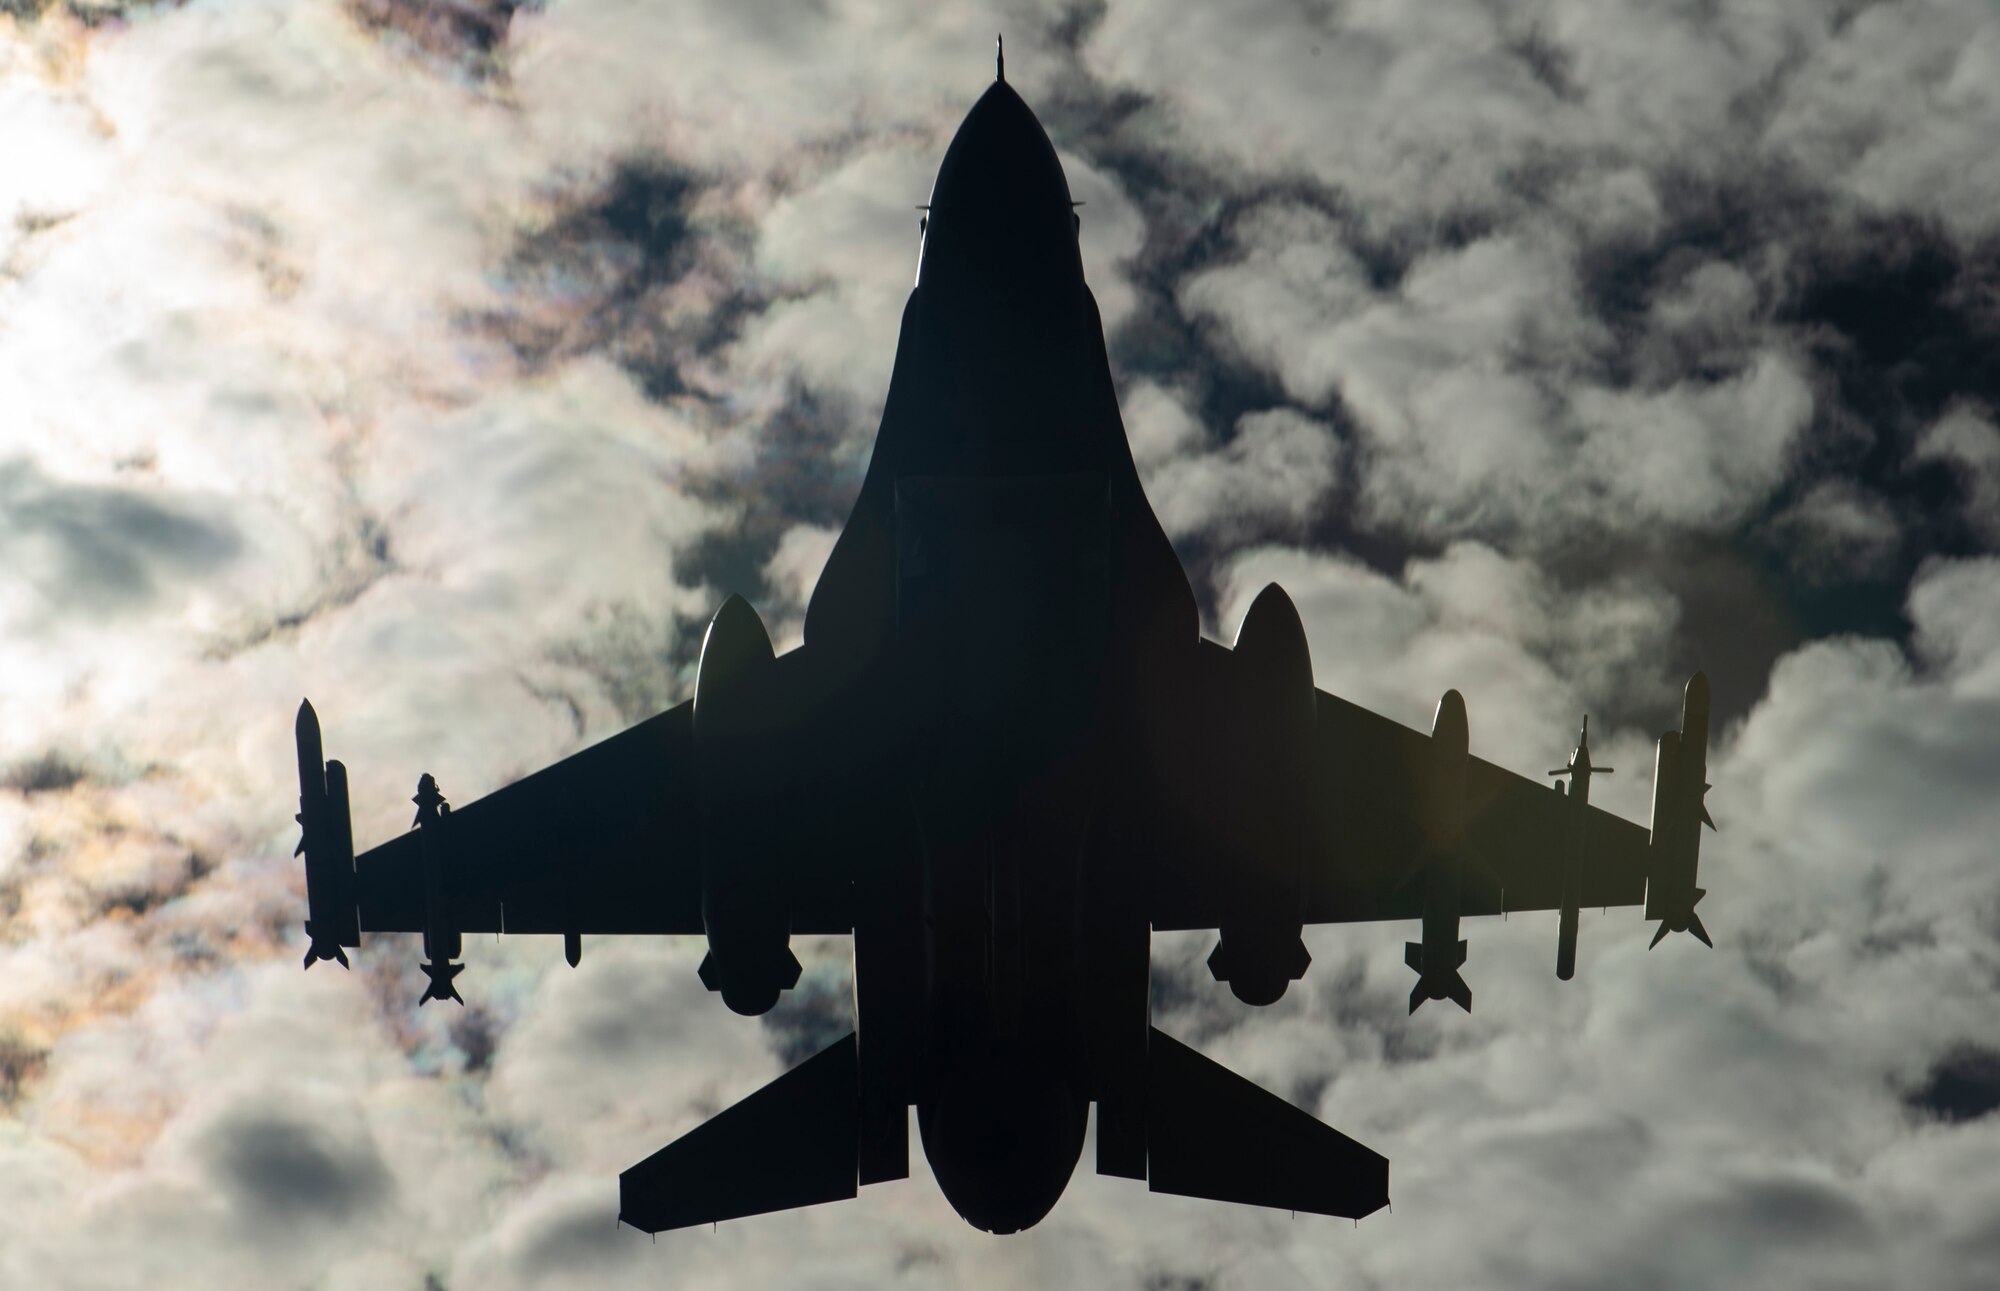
(449, 361)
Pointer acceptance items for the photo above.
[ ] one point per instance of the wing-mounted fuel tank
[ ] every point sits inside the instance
(743, 898)
(326, 838)
(1680, 784)
(1269, 778)
(1439, 956)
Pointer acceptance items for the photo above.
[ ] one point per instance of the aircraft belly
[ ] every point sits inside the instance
(1003, 1091)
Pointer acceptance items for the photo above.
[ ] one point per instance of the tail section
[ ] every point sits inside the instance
(795, 1142)
(1210, 1133)
(1439, 981)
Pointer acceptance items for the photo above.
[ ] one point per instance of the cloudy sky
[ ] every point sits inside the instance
(448, 361)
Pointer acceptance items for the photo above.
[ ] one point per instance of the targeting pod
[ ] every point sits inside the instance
(1680, 783)
(326, 839)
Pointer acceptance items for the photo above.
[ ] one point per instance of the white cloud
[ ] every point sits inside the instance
(1271, 475)
(241, 360)
(1158, 425)
(1837, 533)
(1970, 442)
(1530, 656)
(1896, 112)
(1474, 387)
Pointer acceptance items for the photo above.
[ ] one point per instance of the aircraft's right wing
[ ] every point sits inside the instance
(1375, 775)
(1368, 783)
(1266, 803)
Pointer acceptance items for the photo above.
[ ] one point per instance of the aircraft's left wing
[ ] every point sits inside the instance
(609, 840)
(605, 841)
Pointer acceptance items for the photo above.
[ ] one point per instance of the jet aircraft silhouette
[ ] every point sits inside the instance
(1003, 756)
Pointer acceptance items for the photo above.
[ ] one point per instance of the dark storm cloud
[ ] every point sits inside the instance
(641, 665)
(281, 1172)
(22, 1062)
(468, 36)
(649, 269)
(89, 12)
(566, 1244)
(50, 772)
(1963, 1085)
(630, 267)
(100, 551)
(801, 470)
(475, 1032)
(816, 1012)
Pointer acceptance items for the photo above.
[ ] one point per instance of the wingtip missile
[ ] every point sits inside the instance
(327, 843)
(1449, 726)
(1680, 809)
(320, 948)
(1695, 698)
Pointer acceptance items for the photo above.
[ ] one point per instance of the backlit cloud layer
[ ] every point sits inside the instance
(449, 361)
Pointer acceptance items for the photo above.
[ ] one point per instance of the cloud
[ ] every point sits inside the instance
(356, 351)
(1477, 391)
(1970, 442)
(1529, 654)
(1848, 113)
(98, 552)
(1837, 533)
(1269, 478)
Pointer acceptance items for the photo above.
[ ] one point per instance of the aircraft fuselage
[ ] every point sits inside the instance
(1002, 598)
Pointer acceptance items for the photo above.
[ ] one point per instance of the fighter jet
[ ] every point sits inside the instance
(1003, 757)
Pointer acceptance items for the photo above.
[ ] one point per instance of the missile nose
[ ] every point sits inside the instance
(1448, 724)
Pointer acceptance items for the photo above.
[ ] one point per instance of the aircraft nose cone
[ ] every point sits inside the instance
(1000, 207)
(1000, 147)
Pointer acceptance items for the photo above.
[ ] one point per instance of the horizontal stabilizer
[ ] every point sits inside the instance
(1211, 1133)
(792, 1143)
